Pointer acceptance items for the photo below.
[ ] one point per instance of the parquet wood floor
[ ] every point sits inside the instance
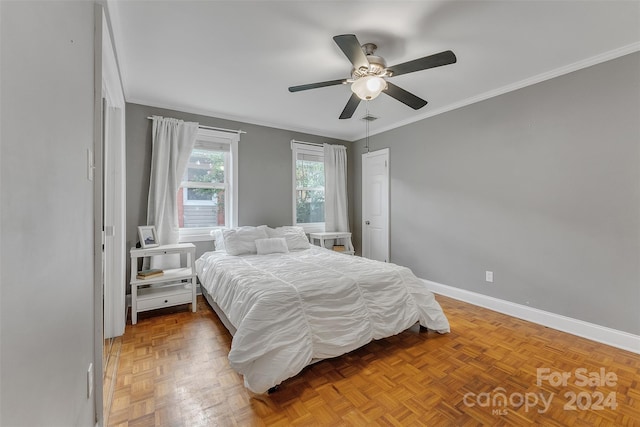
(173, 371)
(109, 374)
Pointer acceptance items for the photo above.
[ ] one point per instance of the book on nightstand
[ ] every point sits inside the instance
(148, 274)
(338, 248)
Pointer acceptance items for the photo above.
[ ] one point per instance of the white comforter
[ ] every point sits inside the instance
(291, 308)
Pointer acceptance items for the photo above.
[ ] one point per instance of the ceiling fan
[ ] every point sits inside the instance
(369, 74)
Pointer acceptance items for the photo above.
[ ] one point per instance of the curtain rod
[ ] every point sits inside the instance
(214, 128)
(306, 143)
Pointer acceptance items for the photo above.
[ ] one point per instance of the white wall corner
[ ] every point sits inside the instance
(601, 334)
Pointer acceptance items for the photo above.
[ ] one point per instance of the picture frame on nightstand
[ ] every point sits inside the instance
(148, 236)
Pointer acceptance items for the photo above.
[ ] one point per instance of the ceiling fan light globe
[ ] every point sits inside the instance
(368, 87)
(374, 85)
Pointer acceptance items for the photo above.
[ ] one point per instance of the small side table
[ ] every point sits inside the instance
(174, 287)
(342, 238)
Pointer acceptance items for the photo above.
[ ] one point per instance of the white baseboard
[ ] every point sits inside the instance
(601, 334)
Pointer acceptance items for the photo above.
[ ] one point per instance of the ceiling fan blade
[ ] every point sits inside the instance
(317, 85)
(431, 61)
(350, 46)
(405, 97)
(351, 106)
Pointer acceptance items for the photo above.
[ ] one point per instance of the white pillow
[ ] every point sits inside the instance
(294, 235)
(242, 240)
(273, 245)
(218, 239)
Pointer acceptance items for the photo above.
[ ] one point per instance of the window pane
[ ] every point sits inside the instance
(205, 166)
(200, 194)
(201, 207)
(309, 206)
(309, 174)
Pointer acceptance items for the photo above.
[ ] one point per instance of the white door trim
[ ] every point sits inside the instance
(114, 187)
(107, 168)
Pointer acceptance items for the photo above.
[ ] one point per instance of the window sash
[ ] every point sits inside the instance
(191, 184)
(310, 189)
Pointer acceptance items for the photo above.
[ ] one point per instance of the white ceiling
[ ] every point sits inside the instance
(236, 59)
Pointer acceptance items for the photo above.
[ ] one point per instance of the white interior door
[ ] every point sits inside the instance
(375, 205)
(114, 222)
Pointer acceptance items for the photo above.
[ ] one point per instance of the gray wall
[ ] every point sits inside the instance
(540, 186)
(46, 249)
(264, 169)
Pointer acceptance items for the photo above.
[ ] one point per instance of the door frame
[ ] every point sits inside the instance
(107, 170)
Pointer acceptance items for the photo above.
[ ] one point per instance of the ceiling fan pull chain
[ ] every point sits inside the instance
(367, 126)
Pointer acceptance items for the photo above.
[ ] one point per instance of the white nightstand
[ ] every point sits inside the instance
(174, 287)
(341, 238)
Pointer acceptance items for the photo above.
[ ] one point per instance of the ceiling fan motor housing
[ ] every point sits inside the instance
(377, 67)
(377, 64)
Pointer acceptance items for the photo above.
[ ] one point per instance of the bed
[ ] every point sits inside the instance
(288, 303)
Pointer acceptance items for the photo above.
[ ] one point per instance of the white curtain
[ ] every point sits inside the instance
(336, 209)
(173, 141)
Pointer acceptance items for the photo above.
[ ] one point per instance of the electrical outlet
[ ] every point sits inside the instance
(90, 380)
(488, 276)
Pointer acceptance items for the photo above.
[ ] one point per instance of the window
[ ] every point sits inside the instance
(308, 185)
(207, 197)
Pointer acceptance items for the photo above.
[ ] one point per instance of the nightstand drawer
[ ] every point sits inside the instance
(151, 303)
(328, 236)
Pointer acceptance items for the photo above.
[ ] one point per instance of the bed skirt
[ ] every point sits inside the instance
(223, 317)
